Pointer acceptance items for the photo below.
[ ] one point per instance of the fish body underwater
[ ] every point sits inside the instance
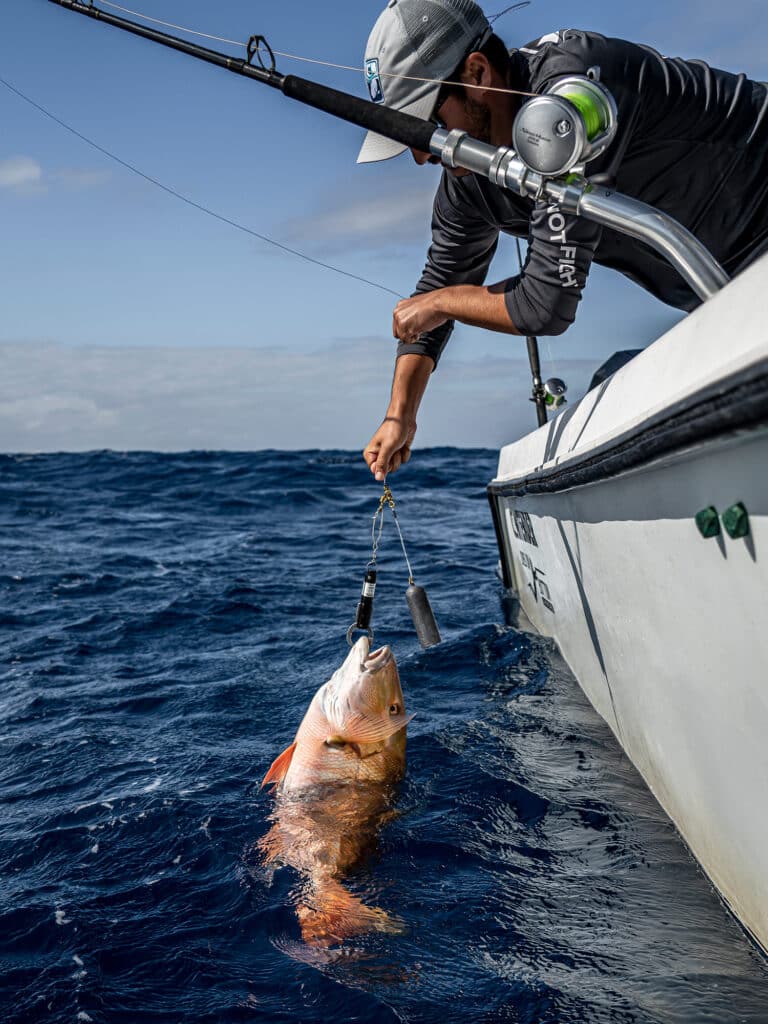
(334, 789)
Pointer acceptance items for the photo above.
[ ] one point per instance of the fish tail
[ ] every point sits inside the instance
(331, 914)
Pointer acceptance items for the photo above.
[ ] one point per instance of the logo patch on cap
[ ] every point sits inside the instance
(373, 80)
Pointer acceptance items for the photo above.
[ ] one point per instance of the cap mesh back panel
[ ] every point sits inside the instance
(447, 26)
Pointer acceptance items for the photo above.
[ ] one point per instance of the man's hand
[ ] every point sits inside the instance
(390, 446)
(413, 317)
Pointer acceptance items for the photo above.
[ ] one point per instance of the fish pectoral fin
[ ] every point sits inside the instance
(332, 914)
(279, 766)
(363, 730)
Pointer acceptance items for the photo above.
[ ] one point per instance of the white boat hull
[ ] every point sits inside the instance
(666, 630)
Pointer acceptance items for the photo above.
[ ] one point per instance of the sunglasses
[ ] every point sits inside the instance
(442, 96)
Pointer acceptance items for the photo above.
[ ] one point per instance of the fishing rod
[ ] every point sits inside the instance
(555, 135)
(408, 130)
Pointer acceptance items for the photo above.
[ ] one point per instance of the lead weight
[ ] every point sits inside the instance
(422, 615)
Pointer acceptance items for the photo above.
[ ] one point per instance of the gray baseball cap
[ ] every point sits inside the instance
(420, 39)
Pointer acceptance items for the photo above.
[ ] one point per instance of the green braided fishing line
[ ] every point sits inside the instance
(589, 109)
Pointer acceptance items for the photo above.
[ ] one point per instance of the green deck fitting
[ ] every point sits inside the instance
(708, 522)
(736, 521)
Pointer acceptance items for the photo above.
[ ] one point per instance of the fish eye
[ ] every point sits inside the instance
(394, 709)
(336, 744)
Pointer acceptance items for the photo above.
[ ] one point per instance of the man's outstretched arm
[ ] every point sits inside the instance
(390, 446)
(475, 305)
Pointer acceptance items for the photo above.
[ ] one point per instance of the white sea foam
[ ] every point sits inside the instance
(153, 786)
(77, 960)
(95, 848)
(84, 1016)
(194, 789)
(95, 803)
(61, 917)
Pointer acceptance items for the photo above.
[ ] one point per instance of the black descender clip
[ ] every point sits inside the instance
(254, 48)
(364, 613)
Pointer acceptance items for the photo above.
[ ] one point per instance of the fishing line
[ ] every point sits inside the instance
(326, 63)
(512, 7)
(191, 202)
(402, 545)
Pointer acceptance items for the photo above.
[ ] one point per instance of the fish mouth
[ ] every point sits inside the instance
(361, 650)
(371, 662)
(378, 660)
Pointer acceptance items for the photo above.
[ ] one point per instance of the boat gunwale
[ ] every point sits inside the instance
(729, 405)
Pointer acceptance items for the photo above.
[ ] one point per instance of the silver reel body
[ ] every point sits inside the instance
(567, 127)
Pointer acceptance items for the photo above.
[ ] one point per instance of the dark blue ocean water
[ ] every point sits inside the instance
(165, 619)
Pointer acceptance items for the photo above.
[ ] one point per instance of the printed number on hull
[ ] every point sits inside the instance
(536, 584)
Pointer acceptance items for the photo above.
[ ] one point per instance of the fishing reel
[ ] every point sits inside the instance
(554, 392)
(566, 127)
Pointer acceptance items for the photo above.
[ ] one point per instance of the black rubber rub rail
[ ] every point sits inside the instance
(733, 404)
(403, 128)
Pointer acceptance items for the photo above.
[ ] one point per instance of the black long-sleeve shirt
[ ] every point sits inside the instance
(692, 141)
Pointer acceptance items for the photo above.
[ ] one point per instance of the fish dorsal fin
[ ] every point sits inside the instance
(279, 767)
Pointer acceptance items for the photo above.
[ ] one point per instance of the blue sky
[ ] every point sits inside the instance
(130, 319)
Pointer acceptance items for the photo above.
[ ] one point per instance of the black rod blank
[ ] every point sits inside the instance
(222, 60)
(537, 394)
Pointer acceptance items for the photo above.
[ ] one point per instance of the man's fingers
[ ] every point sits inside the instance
(381, 466)
(389, 448)
(370, 455)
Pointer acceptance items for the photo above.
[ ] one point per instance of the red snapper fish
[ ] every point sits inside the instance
(334, 791)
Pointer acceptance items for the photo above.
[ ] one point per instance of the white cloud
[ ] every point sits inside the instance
(17, 171)
(82, 177)
(58, 398)
(375, 220)
(25, 174)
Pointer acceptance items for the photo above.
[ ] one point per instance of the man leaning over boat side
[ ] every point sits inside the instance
(692, 141)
